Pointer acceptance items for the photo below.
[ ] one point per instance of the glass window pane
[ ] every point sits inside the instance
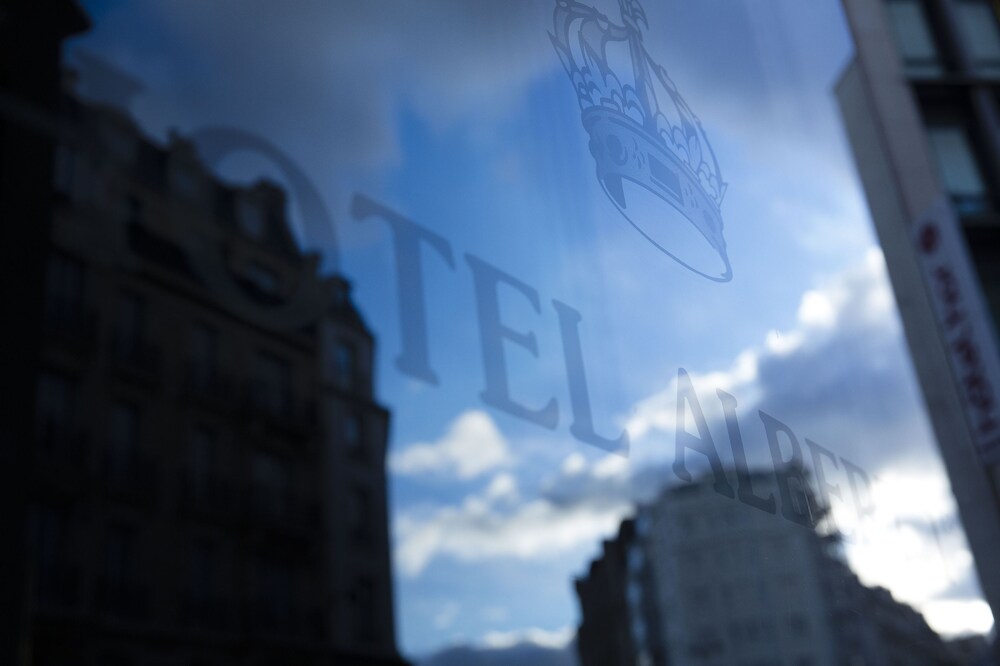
(986, 256)
(263, 278)
(535, 204)
(345, 365)
(202, 459)
(956, 162)
(359, 506)
(205, 344)
(124, 439)
(63, 288)
(49, 527)
(913, 33)
(55, 399)
(981, 32)
(119, 556)
(274, 383)
(352, 432)
(129, 324)
(186, 182)
(65, 166)
(250, 218)
(203, 564)
(271, 481)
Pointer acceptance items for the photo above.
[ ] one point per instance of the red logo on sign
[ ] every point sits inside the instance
(929, 238)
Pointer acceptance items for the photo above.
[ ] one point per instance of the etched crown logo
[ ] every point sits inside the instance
(648, 144)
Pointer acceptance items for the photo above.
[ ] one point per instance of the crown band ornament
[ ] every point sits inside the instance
(633, 139)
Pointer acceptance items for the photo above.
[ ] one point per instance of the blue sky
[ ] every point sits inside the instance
(460, 116)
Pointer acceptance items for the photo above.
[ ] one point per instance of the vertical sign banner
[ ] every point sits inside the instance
(964, 322)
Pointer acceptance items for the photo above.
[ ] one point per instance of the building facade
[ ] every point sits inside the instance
(919, 101)
(207, 476)
(31, 37)
(698, 578)
(619, 623)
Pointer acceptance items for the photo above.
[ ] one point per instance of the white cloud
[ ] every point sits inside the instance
(853, 312)
(445, 617)
(611, 467)
(474, 531)
(502, 488)
(658, 412)
(574, 464)
(558, 639)
(495, 614)
(956, 617)
(840, 377)
(472, 446)
(911, 544)
(580, 507)
(817, 310)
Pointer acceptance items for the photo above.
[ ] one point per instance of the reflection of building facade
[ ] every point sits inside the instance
(922, 113)
(207, 480)
(31, 35)
(613, 630)
(699, 578)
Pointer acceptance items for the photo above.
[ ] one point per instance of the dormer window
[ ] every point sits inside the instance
(339, 294)
(263, 278)
(250, 218)
(121, 144)
(353, 434)
(186, 182)
(345, 366)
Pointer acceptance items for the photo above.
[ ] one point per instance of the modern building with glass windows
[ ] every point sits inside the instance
(207, 476)
(921, 107)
